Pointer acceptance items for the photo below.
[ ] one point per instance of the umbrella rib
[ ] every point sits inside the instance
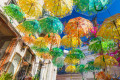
(30, 8)
(66, 4)
(116, 27)
(113, 34)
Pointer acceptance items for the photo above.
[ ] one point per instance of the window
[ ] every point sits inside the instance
(14, 63)
(3, 48)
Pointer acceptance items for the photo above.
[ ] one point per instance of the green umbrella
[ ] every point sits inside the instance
(96, 45)
(90, 6)
(56, 52)
(78, 53)
(81, 69)
(37, 49)
(51, 25)
(30, 26)
(14, 12)
(59, 61)
(91, 67)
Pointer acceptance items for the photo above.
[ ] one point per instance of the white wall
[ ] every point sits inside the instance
(48, 71)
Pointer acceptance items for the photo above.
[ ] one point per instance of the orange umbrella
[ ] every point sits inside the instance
(28, 39)
(53, 39)
(102, 76)
(78, 27)
(44, 55)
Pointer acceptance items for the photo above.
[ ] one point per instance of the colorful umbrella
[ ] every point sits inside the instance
(70, 69)
(30, 27)
(40, 42)
(56, 52)
(104, 60)
(78, 27)
(90, 6)
(78, 53)
(28, 39)
(96, 45)
(58, 8)
(59, 61)
(81, 69)
(51, 25)
(44, 55)
(40, 50)
(32, 8)
(110, 28)
(91, 67)
(69, 41)
(53, 39)
(14, 12)
(102, 76)
(72, 59)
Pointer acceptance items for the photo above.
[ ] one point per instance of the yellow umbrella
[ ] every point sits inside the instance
(32, 8)
(58, 8)
(110, 28)
(105, 60)
(69, 41)
(71, 61)
(71, 69)
(23, 29)
(40, 42)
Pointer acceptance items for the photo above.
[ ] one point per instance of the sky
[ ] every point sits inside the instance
(113, 8)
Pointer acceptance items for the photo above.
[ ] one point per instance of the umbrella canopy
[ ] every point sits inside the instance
(30, 27)
(104, 61)
(69, 41)
(44, 55)
(110, 28)
(14, 12)
(28, 39)
(32, 8)
(40, 42)
(58, 8)
(72, 59)
(70, 69)
(91, 67)
(78, 27)
(96, 45)
(90, 6)
(40, 50)
(53, 39)
(78, 53)
(102, 76)
(51, 25)
(56, 52)
(59, 61)
(81, 68)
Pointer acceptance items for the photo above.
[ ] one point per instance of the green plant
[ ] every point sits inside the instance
(6, 76)
(36, 77)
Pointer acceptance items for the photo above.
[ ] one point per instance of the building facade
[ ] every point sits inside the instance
(16, 57)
